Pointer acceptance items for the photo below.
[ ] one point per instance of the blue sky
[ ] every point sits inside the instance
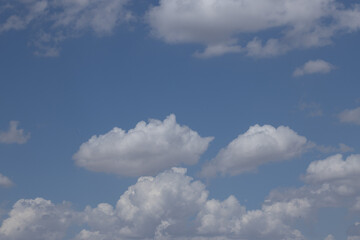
(255, 103)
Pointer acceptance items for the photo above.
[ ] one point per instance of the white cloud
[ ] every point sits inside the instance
(5, 181)
(227, 23)
(334, 168)
(168, 206)
(259, 145)
(57, 20)
(36, 219)
(14, 135)
(172, 205)
(312, 67)
(145, 150)
(350, 116)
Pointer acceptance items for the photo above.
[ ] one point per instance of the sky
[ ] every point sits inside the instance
(179, 119)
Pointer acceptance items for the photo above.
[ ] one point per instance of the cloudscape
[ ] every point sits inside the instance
(179, 119)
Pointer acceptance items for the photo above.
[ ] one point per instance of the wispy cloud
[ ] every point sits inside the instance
(14, 135)
(313, 67)
(5, 181)
(350, 116)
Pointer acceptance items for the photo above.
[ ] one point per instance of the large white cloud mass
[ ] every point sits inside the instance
(57, 20)
(223, 25)
(145, 150)
(172, 205)
(13, 134)
(257, 146)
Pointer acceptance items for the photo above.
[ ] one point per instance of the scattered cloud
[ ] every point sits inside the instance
(223, 26)
(13, 134)
(5, 181)
(258, 146)
(145, 150)
(350, 116)
(56, 21)
(312, 67)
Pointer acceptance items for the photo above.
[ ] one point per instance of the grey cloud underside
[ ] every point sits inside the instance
(172, 205)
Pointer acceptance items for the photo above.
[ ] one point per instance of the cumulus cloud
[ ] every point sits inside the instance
(334, 168)
(14, 135)
(5, 181)
(144, 150)
(259, 145)
(350, 116)
(36, 219)
(312, 67)
(170, 205)
(223, 25)
(331, 182)
(173, 205)
(57, 20)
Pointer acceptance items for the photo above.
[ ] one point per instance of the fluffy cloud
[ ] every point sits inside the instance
(257, 146)
(13, 134)
(350, 116)
(144, 150)
(221, 24)
(313, 66)
(172, 205)
(57, 20)
(332, 182)
(5, 181)
(333, 168)
(168, 206)
(38, 218)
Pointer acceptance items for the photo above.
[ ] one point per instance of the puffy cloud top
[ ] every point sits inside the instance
(145, 150)
(257, 146)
